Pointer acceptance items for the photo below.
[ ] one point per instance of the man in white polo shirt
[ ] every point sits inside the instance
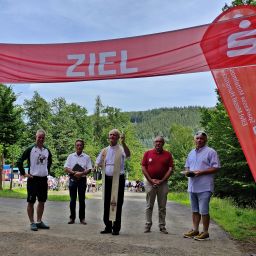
(39, 160)
(78, 165)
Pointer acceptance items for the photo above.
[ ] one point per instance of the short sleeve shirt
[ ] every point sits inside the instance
(83, 160)
(157, 164)
(202, 159)
(39, 161)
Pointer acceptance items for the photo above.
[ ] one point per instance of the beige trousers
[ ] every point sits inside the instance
(151, 193)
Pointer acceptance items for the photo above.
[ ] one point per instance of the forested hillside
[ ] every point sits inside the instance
(154, 122)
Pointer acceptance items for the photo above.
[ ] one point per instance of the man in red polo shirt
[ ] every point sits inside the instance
(157, 165)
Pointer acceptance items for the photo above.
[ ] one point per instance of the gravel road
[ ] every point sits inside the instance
(63, 239)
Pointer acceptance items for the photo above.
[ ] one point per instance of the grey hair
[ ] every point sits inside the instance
(115, 131)
(201, 133)
(159, 137)
(40, 131)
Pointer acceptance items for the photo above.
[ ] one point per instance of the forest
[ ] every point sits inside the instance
(65, 122)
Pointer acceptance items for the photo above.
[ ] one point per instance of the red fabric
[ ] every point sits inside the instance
(150, 55)
(236, 85)
(167, 53)
(157, 164)
(227, 47)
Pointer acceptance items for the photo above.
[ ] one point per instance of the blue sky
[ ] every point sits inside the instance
(64, 21)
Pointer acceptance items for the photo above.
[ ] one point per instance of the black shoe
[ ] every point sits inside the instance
(42, 225)
(115, 233)
(71, 221)
(83, 222)
(105, 231)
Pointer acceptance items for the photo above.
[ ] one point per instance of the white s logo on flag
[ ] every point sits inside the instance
(242, 39)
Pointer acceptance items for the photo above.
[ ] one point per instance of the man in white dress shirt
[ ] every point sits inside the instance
(78, 165)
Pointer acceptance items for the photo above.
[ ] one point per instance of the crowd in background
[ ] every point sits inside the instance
(61, 183)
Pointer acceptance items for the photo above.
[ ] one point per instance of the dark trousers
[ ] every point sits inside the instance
(108, 186)
(74, 187)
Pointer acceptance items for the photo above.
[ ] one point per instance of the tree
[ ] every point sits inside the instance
(69, 122)
(180, 143)
(38, 114)
(239, 2)
(13, 152)
(234, 179)
(97, 122)
(1, 165)
(10, 116)
(11, 122)
(151, 123)
(133, 165)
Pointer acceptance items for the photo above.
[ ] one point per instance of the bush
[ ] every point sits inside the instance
(244, 194)
(177, 183)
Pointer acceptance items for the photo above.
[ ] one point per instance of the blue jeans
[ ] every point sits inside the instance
(200, 202)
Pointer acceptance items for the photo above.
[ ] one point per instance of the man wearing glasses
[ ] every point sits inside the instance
(157, 165)
(111, 159)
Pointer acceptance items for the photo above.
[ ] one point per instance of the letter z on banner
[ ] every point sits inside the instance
(232, 60)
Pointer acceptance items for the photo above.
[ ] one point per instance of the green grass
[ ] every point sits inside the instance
(15, 193)
(240, 223)
(22, 194)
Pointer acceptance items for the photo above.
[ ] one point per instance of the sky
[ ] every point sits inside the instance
(67, 21)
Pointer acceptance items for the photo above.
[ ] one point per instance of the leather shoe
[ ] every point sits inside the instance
(115, 233)
(147, 230)
(105, 231)
(83, 222)
(71, 222)
(164, 231)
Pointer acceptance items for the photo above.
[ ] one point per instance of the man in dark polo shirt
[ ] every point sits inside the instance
(157, 165)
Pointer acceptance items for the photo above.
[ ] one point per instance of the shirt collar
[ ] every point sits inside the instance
(82, 154)
(200, 149)
(39, 148)
(114, 147)
(157, 153)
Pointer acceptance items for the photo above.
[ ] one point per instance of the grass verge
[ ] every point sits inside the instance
(240, 223)
(22, 194)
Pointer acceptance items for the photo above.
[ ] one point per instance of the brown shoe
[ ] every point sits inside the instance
(191, 234)
(71, 221)
(202, 236)
(83, 222)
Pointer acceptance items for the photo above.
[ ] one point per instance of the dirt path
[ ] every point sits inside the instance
(67, 240)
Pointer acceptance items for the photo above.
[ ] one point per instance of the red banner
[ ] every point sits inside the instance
(151, 55)
(236, 81)
(227, 47)
(167, 53)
